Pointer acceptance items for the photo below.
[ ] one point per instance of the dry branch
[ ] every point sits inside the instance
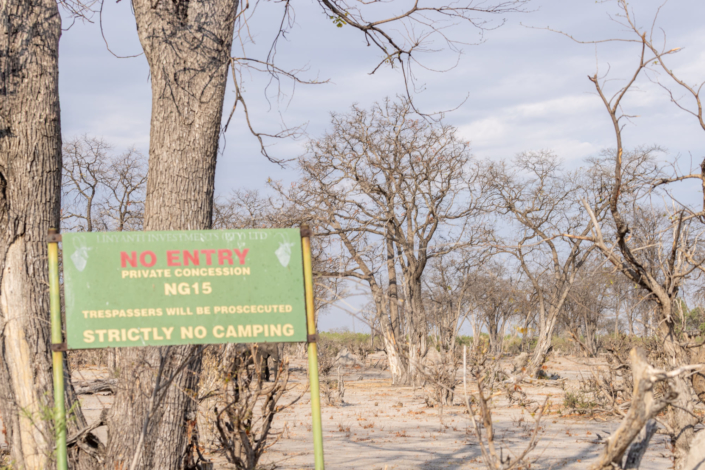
(645, 406)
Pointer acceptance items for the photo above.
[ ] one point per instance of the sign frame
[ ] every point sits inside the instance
(59, 347)
(164, 288)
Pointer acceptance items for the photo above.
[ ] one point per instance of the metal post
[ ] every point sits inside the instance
(57, 354)
(316, 424)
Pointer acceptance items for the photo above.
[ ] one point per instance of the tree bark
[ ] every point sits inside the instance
(699, 378)
(30, 195)
(696, 456)
(187, 44)
(418, 329)
(393, 292)
(644, 407)
(396, 365)
(680, 418)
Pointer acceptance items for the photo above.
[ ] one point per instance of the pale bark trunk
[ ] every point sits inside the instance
(393, 290)
(696, 456)
(591, 336)
(680, 418)
(30, 195)
(476, 331)
(630, 321)
(396, 366)
(616, 319)
(187, 45)
(417, 343)
(543, 344)
(495, 331)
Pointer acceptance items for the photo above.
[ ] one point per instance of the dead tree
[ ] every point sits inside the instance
(386, 186)
(85, 172)
(645, 406)
(542, 207)
(495, 298)
(102, 190)
(587, 304)
(123, 205)
(662, 267)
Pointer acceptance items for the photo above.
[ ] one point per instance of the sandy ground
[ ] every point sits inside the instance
(385, 427)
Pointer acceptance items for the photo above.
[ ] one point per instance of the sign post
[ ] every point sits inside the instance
(56, 351)
(316, 425)
(125, 289)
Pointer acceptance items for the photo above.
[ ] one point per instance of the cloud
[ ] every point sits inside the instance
(524, 89)
(484, 132)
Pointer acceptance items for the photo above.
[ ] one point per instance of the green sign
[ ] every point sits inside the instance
(189, 287)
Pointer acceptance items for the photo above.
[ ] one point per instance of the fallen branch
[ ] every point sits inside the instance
(97, 386)
(644, 407)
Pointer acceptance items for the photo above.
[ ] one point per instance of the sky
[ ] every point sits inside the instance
(523, 88)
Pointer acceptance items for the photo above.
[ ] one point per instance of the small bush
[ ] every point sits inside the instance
(579, 402)
(562, 344)
(512, 345)
(357, 343)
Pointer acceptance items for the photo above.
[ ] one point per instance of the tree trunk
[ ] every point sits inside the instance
(696, 456)
(698, 380)
(590, 335)
(543, 344)
(30, 196)
(495, 331)
(393, 290)
(476, 332)
(616, 320)
(187, 45)
(681, 419)
(417, 341)
(396, 365)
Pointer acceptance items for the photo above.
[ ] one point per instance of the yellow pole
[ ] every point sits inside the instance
(57, 348)
(316, 424)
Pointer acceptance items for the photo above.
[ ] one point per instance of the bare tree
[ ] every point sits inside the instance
(655, 54)
(395, 191)
(102, 190)
(85, 172)
(659, 261)
(497, 298)
(543, 207)
(586, 307)
(450, 287)
(122, 207)
(645, 406)
(492, 455)
(244, 208)
(249, 406)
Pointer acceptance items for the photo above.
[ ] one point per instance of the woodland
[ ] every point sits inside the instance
(481, 276)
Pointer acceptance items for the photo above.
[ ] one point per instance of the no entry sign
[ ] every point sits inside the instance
(189, 287)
